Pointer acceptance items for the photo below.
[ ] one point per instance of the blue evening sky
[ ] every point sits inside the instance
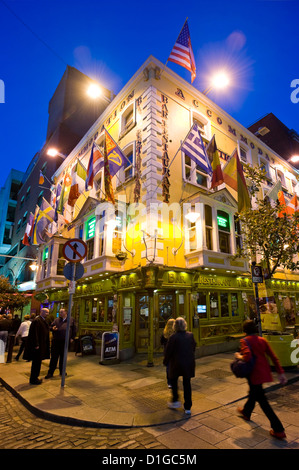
(255, 40)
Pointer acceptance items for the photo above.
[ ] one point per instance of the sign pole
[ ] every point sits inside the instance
(67, 334)
(257, 277)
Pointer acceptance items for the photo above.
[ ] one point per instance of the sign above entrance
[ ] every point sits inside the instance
(74, 250)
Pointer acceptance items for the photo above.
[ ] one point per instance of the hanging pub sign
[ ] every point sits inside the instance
(110, 346)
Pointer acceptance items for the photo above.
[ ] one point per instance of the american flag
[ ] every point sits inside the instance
(182, 52)
(193, 147)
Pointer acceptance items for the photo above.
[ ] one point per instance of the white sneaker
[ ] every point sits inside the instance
(174, 404)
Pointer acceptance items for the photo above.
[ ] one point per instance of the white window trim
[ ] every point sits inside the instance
(124, 128)
(206, 123)
(264, 161)
(120, 176)
(192, 179)
(248, 152)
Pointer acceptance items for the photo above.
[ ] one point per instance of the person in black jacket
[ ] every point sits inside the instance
(58, 328)
(38, 345)
(180, 358)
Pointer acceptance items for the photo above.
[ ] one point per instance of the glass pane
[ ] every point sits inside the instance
(224, 244)
(201, 179)
(214, 307)
(209, 239)
(166, 308)
(94, 313)
(143, 311)
(224, 305)
(208, 216)
(110, 309)
(101, 309)
(235, 306)
(202, 305)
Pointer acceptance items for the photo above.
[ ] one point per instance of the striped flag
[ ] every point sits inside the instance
(182, 53)
(94, 165)
(234, 178)
(213, 154)
(194, 148)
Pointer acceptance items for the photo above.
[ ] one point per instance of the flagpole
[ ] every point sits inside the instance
(174, 43)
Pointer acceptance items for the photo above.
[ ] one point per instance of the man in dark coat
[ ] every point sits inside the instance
(38, 345)
(180, 357)
(58, 328)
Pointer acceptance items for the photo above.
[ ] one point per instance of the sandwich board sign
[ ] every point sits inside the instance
(110, 346)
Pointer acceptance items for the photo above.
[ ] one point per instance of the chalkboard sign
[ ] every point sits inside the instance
(87, 345)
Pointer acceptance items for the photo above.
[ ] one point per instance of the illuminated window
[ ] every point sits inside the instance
(223, 231)
(209, 227)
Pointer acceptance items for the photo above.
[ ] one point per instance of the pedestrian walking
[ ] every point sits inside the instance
(167, 332)
(180, 357)
(38, 345)
(58, 328)
(261, 373)
(5, 328)
(23, 332)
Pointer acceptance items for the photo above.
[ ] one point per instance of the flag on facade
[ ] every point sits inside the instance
(273, 193)
(182, 53)
(26, 239)
(288, 208)
(107, 176)
(292, 205)
(194, 148)
(115, 155)
(66, 187)
(78, 183)
(41, 177)
(96, 162)
(234, 178)
(213, 154)
(43, 218)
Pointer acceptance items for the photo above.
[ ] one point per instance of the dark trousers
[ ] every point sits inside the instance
(257, 394)
(57, 353)
(36, 365)
(22, 347)
(187, 391)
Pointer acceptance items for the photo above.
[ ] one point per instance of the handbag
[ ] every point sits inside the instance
(242, 369)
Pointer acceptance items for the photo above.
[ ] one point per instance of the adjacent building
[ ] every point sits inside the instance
(146, 259)
(71, 114)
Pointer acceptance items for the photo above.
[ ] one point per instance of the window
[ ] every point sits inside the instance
(238, 233)
(191, 236)
(223, 231)
(209, 227)
(214, 305)
(27, 193)
(280, 176)
(224, 305)
(60, 260)
(202, 305)
(128, 119)
(117, 233)
(90, 227)
(102, 234)
(127, 172)
(45, 257)
(193, 173)
(128, 168)
(19, 225)
(243, 155)
(24, 218)
(22, 202)
(40, 198)
(204, 125)
(244, 152)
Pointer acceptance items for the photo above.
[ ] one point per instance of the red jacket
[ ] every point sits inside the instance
(260, 348)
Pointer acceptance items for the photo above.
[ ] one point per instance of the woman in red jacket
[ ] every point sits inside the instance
(261, 373)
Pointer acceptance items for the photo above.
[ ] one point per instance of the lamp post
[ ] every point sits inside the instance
(53, 152)
(294, 159)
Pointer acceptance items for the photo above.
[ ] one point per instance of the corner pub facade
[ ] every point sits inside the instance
(151, 263)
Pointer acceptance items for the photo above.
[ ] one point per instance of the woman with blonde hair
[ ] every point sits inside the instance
(167, 332)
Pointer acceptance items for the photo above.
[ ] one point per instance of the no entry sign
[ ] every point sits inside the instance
(74, 250)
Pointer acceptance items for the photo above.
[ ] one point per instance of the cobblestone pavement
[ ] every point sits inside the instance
(217, 429)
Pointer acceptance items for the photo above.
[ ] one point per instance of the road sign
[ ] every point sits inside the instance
(74, 250)
(257, 274)
(78, 271)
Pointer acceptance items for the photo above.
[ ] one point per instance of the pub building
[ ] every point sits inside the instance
(147, 260)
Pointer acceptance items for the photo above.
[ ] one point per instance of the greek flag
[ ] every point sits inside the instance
(193, 147)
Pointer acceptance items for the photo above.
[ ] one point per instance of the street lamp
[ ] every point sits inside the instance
(94, 91)
(219, 81)
(294, 159)
(52, 152)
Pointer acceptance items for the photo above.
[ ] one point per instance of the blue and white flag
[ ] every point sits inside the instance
(193, 147)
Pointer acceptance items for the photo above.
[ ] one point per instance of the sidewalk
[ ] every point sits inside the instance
(128, 394)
